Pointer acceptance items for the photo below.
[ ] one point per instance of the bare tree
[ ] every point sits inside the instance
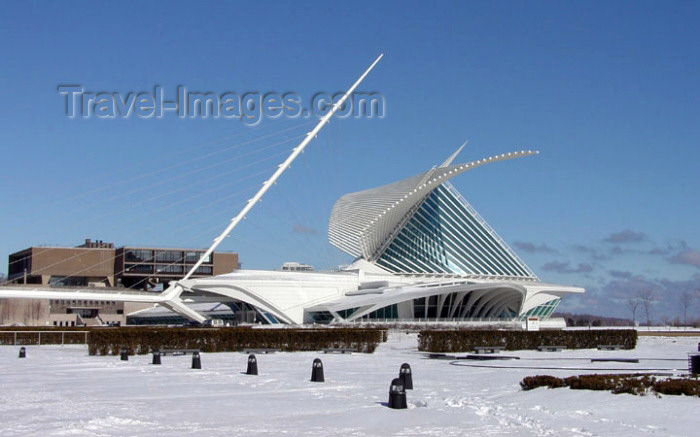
(647, 299)
(632, 305)
(686, 301)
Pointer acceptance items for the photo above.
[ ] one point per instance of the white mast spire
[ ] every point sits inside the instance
(282, 167)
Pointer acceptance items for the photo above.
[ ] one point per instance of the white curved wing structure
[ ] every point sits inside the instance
(361, 223)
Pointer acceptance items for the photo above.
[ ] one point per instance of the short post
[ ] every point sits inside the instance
(406, 376)
(196, 361)
(252, 365)
(317, 371)
(22, 352)
(124, 354)
(694, 364)
(156, 357)
(397, 395)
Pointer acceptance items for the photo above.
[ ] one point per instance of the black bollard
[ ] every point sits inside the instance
(252, 365)
(397, 395)
(317, 371)
(694, 364)
(124, 354)
(406, 376)
(22, 352)
(196, 361)
(156, 357)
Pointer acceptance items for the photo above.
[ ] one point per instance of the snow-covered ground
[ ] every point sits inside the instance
(61, 391)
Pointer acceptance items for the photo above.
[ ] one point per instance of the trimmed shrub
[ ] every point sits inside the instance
(466, 340)
(635, 384)
(48, 336)
(688, 387)
(531, 382)
(143, 340)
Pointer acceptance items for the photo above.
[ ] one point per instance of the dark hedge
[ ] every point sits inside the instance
(142, 340)
(467, 340)
(7, 335)
(636, 384)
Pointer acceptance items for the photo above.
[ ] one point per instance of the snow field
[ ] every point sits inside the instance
(61, 391)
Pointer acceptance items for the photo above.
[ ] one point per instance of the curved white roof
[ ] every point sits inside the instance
(363, 221)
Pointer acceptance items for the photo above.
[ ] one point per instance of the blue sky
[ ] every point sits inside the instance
(607, 91)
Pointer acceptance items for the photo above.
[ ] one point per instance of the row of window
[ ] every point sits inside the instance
(72, 323)
(145, 255)
(454, 305)
(55, 323)
(165, 268)
(81, 302)
(387, 312)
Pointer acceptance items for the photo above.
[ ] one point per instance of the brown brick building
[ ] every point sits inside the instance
(99, 264)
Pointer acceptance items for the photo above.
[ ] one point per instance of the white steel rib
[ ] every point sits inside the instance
(361, 222)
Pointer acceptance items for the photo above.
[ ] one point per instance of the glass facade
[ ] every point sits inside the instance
(347, 313)
(165, 262)
(543, 311)
(387, 312)
(445, 235)
(168, 255)
(138, 255)
(321, 316)
(459, 306)
(169, 268)
(138, 268)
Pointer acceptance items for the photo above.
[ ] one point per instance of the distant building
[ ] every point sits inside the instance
(98, 264)
(68, 312)
(296, 267)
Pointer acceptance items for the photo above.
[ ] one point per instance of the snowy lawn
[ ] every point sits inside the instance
(61, 391)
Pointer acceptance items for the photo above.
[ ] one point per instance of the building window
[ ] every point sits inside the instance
(138, 255)
(321, 316)
(192, 257)
(432, 306)
(204, 270)
(387, 312)
(168, 256)
(347, 313)
(67, 281)
(139, 268)
(174, 268)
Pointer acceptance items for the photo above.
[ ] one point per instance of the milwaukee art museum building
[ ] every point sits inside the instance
(421, 252)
